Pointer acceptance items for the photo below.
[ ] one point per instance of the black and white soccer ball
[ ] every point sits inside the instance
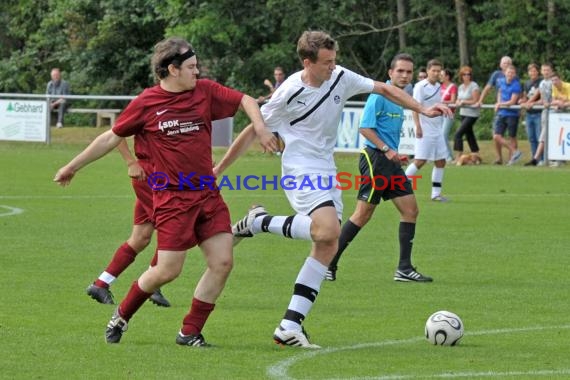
(444, 328)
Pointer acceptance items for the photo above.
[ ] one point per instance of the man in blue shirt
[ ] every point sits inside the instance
(505, 62)
(507, 119)
(381, 124)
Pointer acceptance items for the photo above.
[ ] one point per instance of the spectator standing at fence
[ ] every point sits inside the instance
(560, 101)
(532, 116)
(467, 95)
(422, 74)
(176, 118)
(58, 86)
(493, 81)
(544, 97)
(430, 143)
(507, 118)
(448, 97)
(560, 93)
(279, 76)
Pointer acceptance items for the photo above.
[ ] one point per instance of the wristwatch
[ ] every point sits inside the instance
(384, 149)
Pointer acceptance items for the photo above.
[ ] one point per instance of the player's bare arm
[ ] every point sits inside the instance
(371, 136)
(102, 145)
(419, 132)
(400, 97)
(267, 140)
(134, 170)
(238, 147)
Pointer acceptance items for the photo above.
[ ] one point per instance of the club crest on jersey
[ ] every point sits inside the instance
(337, 99)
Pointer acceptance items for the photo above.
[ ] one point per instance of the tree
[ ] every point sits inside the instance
(462, 32)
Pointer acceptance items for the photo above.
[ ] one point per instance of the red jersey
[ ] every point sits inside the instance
(142, 153)
(177, 129)
(448, 91)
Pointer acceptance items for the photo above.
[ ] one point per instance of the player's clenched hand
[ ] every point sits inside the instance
(135, 171)
(64, 175)
(268, 141)
(438, 110)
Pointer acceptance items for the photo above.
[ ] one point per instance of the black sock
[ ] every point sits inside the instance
(407, 233)
(348, 232)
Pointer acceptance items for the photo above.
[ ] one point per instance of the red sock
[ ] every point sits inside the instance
(195, 320)
(123, 257)
(154, 259)
(135, 298)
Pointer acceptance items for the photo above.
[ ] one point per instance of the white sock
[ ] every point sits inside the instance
(294, 227)
(436, 181)
(412, 169)
(307, 286)
(107, 278)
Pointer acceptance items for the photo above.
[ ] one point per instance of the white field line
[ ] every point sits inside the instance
(280, 369)
(11, 210)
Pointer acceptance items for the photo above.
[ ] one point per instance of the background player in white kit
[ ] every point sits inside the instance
(306, 111)
(430, 141)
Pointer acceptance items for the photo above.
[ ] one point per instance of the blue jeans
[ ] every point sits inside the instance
(533, 130)
(447, 124)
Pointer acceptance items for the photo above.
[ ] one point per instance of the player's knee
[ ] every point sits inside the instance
(140, 242)
(411, 213)
(325, 232)
(166, 274)
(361, 218)
(223, 264)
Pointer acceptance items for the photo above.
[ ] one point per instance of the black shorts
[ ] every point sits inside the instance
(386, 179)
(506, 123)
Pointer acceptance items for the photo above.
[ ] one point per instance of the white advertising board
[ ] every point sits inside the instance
(559, 136)
(23, 120)
(349, 140)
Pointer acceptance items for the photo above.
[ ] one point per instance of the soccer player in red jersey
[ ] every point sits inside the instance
(176, 117)
(143, 227)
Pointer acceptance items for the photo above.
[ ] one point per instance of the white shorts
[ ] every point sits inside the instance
(431, 148)
(307, 192)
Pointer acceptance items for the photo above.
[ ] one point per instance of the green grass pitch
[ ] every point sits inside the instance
(498, 253)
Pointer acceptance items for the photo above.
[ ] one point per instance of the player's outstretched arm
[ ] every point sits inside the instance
(238, 147)
(400, 97)
(102, 145)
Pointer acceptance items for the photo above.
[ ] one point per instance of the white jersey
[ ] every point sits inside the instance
(307, 119)
(428, 95)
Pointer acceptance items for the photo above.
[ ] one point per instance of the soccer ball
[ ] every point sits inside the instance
(444, 328)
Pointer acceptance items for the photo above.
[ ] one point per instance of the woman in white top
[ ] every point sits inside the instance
(467, 95)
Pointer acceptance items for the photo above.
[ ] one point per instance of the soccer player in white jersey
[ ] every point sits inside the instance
(430, 141)
(306, 111)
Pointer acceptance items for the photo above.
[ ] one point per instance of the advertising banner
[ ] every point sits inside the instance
(23, 120)
(349, 140)
(558, 136)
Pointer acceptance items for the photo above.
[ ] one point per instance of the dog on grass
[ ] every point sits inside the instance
(469, 159)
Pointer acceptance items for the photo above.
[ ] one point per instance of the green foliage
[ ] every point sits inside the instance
(104, 47)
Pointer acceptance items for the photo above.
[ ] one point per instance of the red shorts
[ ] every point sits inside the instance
(184, 219)
(143, 205)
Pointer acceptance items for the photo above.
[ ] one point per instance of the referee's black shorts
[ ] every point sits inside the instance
(387, 179)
